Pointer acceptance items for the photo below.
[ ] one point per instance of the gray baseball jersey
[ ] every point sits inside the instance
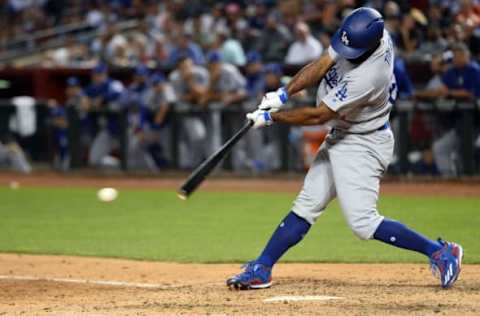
(357, 152)
(231, 80)
(156, 99)
(200, 75)
(362, 94)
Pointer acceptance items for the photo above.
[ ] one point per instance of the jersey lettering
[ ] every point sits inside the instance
(332, 78)
(342, 93)
(389, 51)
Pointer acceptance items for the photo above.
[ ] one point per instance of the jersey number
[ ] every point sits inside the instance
(393, 93)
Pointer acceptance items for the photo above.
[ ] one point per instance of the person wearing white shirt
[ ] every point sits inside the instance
(305, 49)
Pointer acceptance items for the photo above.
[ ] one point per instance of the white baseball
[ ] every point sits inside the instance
(107, 194)
(14, 185)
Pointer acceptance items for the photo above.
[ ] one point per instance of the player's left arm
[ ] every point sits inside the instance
(308, 76)
(297, 116)
(305, 115)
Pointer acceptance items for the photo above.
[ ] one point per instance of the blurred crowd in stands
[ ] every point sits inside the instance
(203, 53)
(278, 30)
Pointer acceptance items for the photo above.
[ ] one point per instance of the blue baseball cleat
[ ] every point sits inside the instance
(255, 276)
(446, 263)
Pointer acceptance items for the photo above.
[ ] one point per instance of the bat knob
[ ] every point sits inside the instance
(182, 195)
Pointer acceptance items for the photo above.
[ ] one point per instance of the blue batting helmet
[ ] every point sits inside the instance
(360, 32)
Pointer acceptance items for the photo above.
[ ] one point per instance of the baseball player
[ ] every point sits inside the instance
(356, 93)
(190, 82)
(227, 88)
(13, 156)
(101, 94)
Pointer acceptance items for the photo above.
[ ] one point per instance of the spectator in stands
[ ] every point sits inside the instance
(103, 96)
(234, 19)
(392, 16)
(190, 83)
(411, 32)
(438, 66)
(434, 42)
(468, 13)
(460, 82)
(465, 28)
(305, 48)
(200, 26)
(274, 40)
(230, 48)
(186, 47)
(159, 52)
(96, 17)
(323, 16)
(255, 76)
(226, 84)
(403, 81)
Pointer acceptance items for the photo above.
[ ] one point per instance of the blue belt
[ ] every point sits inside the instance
(381, 128)
(384, 127)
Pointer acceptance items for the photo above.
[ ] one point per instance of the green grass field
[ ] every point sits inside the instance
(211, 227)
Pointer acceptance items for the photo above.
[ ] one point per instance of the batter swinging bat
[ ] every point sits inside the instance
(202, 171)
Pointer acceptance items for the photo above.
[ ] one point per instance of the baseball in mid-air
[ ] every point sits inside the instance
(107, 194)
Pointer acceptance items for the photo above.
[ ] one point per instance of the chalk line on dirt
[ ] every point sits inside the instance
(292, 298)
(95, 282)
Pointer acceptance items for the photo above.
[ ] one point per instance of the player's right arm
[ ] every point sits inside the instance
(311, 74)
(308, 76)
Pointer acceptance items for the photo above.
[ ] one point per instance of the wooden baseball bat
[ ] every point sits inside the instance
(204, 169)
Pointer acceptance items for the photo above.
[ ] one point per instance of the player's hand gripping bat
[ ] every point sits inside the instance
(204, 169)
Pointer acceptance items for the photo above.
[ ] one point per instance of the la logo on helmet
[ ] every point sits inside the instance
(345, 39)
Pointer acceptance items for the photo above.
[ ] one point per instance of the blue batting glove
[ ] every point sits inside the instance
(273, 101)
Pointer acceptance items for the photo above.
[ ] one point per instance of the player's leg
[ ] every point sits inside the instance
(138, 155)
(195, 134)
(101, 147)
(357, 176)
(317, 192)
(444, 150)
(16, 158)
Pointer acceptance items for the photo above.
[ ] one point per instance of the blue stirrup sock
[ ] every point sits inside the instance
(397, 234)
(290, 231)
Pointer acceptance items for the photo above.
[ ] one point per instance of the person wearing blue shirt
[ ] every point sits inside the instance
(186, 47)
(102, 95)
(404, 83)
(460, 82)
(58, 115)
(102, 90)
(135, 95)
(255, 76)
(161, 98)
(134, 101)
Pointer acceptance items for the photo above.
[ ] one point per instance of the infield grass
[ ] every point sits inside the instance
(212, 227)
